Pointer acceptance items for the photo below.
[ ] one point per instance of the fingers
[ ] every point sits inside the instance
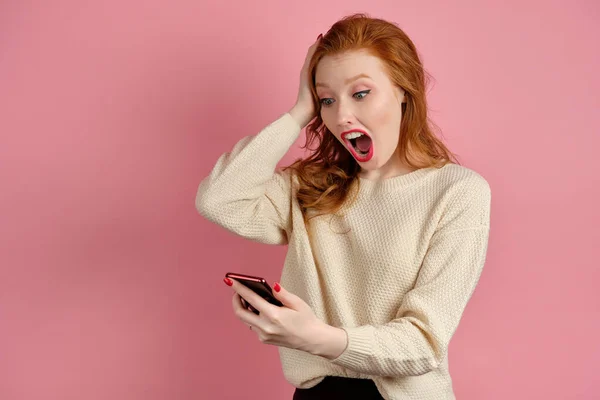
(316, 43)
(288, 299)
(318, 39)
(239, 306)
(246, 316)
(251, 297)
(313, 47)
(237, 303)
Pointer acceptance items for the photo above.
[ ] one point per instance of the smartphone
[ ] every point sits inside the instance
(258, 285)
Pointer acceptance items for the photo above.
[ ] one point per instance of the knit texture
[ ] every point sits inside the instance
(395, 269)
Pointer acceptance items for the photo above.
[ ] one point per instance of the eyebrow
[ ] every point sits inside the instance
(347, 81)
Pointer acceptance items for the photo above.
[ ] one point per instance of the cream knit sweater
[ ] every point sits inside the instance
(395, 270)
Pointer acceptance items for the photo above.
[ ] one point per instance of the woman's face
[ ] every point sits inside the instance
(362, 108)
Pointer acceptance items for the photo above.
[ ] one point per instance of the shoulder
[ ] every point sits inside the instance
(464, 197)
(460, 179)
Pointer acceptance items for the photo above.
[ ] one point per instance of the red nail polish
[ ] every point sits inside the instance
(277, 287)
(228, 281)
(320, 36)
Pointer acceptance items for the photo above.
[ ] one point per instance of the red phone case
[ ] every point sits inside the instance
(256, 284)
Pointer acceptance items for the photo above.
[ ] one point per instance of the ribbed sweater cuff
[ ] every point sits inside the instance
(360, 346)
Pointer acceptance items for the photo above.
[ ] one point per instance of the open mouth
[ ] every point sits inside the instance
(360, 145)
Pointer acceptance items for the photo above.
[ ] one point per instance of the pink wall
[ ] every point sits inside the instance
(111, 113)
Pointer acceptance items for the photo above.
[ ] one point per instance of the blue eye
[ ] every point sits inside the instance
(358, 95)
(364, 93)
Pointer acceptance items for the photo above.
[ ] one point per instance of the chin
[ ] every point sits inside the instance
(369, 166)
(372, 164)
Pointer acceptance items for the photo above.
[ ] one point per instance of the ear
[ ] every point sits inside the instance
(401, 95)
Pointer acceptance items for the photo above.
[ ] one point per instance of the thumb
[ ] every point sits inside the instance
(287, 298)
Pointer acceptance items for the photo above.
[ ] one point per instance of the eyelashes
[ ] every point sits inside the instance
(358, 95)
(363, 92)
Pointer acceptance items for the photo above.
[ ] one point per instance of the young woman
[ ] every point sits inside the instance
(387, 234)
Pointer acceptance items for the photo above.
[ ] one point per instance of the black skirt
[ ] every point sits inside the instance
(335, 387)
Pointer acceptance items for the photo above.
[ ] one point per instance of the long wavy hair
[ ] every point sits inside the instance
(330, 174)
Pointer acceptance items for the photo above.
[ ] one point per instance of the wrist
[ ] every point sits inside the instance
(301, 114)
(330, 342)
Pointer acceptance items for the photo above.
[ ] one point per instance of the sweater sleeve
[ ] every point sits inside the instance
(417, 340)
(244, 192)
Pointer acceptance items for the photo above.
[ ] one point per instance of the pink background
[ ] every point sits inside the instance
(112, 112)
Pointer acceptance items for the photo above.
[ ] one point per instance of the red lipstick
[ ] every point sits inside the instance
(359, 157)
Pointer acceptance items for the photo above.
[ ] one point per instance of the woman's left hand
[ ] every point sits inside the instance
(294, 325)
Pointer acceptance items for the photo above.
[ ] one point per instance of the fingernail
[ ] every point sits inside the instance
(277, 287)
(320, 36)
(228, 281)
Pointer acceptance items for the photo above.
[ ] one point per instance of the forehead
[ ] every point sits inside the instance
(333, 70)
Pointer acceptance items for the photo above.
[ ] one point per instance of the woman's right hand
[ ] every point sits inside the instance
(304, 109)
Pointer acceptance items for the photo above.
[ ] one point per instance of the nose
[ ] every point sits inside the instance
(344, 114)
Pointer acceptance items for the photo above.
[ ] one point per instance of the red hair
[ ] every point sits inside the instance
(330, 173)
